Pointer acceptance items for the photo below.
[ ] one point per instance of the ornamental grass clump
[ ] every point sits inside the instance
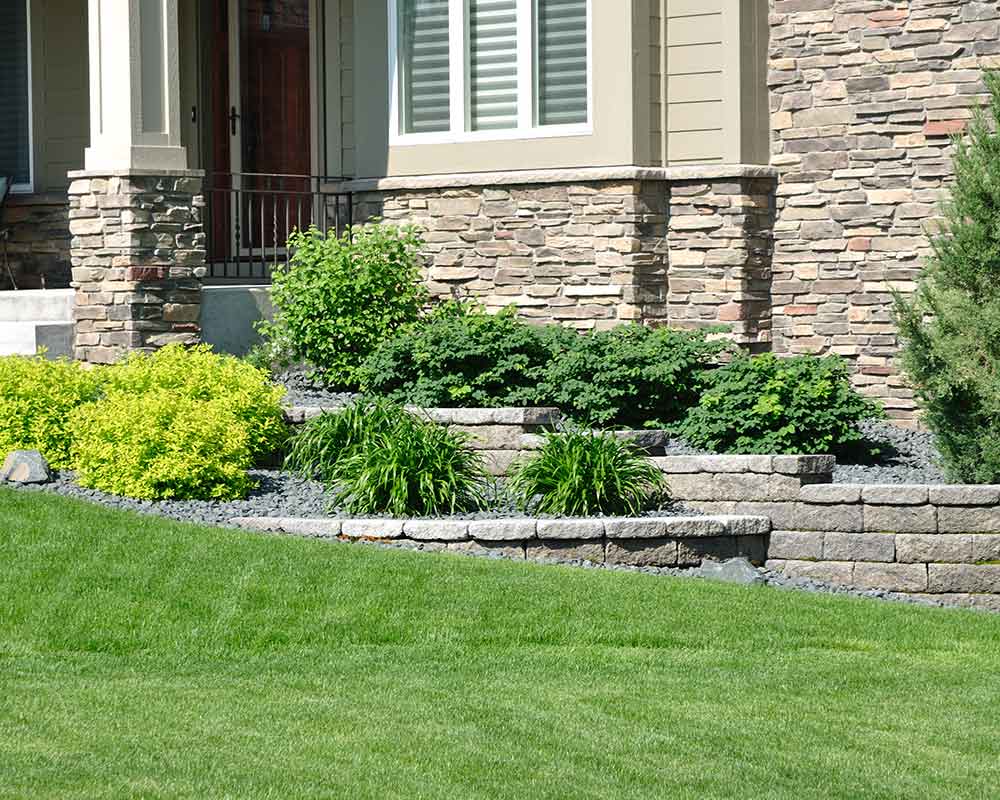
(951, 326)
(579, 472)
(377, 458)
(765, 404)
(36, 398)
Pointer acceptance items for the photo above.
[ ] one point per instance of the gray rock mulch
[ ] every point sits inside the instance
(908, 456)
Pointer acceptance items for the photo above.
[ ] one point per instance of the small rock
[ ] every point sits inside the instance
(25, 466)
(734, 570)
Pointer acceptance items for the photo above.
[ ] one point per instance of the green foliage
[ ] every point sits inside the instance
(161, 445)
(631, 375)
(199, 374)
(951, 326)
(460, 356)
(765, 404)
(581, 472)
(340, 297)
(36, 398)
(379, 459)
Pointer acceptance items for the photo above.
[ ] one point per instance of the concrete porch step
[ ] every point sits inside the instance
(24, 338)
(36, 305)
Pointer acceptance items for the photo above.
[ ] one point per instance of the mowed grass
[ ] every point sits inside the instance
(143, 658)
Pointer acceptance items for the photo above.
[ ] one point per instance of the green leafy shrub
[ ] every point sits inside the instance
(199, 374)
(765, 404)
(338, 298)
(460, 356)
(581, 472)
(951, 326)
(631, 375)
(161, 445)
(36, 398)
(377, 458)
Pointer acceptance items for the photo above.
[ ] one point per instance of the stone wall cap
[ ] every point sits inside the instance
(135, 173)
(575, 175)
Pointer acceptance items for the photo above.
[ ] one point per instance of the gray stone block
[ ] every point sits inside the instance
(504, 549)
(891, 577)
(745, 525)
(901, 519)
(499, 462)
(502, 530)
(830, 493)
(736, 464)
(859, 547)
(986, 547)
(804, 465)
(570, 529)
(973, 578)
(372, 528)
(642, 552)
(691, 552)
(491, 437)
(566, 550)
(956, 519)
(783, 516)
(781, 488)
(894, 495)
(661, 527)
(436, 530)
(838, 572)
(698, 486)
(25, 467)
(846, 518)
(913, 548)
(795, 545)
(679, 465)
(965, 495)
(740, 486)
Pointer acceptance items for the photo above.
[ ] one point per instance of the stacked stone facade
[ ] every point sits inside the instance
(689, 247)
(138, 253)
(36, 255)
(865, 95)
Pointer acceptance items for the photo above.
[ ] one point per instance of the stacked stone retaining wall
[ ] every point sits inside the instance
(36, 252)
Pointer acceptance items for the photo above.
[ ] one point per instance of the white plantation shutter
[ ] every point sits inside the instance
(493, 64)
(562, 61)
(15, 143)
(425, 85)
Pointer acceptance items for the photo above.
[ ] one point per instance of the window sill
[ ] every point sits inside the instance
(520, 134)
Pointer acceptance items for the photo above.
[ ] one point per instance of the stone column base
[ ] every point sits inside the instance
(138, 256)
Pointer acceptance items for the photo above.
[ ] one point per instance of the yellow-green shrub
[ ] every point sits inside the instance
(199, 374)
(161, 445)
(36, 398)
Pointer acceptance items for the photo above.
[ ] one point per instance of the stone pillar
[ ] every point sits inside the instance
(138, 255)
(138, 246)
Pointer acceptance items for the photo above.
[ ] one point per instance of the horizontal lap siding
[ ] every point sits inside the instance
(695, 72)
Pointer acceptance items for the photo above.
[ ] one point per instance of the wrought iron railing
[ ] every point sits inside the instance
(249, 217)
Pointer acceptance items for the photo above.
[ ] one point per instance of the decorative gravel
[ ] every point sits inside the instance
(301, 391)
(910, 456)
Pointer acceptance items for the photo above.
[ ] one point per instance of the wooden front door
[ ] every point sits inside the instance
(260, 158)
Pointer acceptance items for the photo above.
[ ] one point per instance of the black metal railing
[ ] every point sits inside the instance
(249, 217)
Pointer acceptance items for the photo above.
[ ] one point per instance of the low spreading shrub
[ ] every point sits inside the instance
(199, 374)
(376, 458)
(951, 327)
(338, 298)
(161, 445)
(765, 404)
(460, 356)
(36, 398)
(631, 376)
(579, 472)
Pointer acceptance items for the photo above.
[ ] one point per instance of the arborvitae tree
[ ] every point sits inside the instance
(951, 326)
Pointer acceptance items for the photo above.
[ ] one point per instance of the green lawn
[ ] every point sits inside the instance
(142, 658)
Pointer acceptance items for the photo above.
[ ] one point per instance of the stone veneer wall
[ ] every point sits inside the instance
(38, 242)
(138, 254)
(864, 97)
(593, 248)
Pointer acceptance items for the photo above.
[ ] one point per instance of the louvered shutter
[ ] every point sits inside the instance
(562, 61)
(15, 144)
(493, 64)
(424, 84)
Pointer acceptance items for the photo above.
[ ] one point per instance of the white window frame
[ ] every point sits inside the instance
(459, 100)
(29, 187)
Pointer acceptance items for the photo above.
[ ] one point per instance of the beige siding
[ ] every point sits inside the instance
(656, 85)
(60, 93)
(695, 81)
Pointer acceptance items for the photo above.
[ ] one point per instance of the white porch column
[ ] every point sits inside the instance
(134, 86)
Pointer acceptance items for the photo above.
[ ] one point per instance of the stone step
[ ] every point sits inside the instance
(37, 305)
(25, 338)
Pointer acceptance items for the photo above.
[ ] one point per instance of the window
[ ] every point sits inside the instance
(466, 70)
(15, 93)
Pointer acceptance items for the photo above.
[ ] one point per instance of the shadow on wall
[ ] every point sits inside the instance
(228, 314)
